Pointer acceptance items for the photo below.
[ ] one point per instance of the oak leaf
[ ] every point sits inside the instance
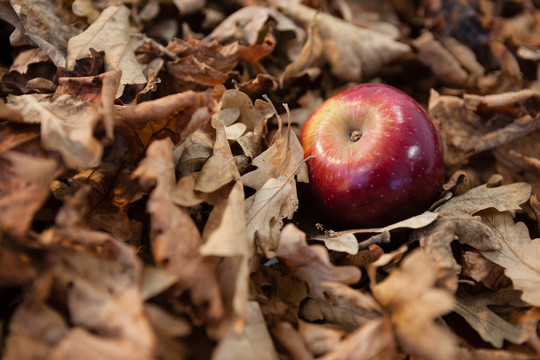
(413, 301)
(109, 33)
(518, 254)
(311, 263)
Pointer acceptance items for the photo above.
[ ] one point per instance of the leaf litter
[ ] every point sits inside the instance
(152, 184)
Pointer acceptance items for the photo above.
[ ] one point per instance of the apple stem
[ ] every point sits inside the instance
(355, 135)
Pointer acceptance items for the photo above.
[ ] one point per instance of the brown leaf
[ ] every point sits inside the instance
(491, 327)
(477, 267)
(475, 124)
(342, 306)
(24, 185)
(174, 116)
(110, 33)
(225, 238)
(265, 211)
(518, 254)
(410, 296)
(46, 28)
(319, 339)
(254, 342)
(174, 237)
(283, 158)
(246, 24)
(354, 53)
(373, 341)
(67, 126)
(456, 220)
(311, 263)
(441, 61)
(37, 341)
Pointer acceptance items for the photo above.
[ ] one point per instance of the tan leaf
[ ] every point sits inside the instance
(37, 341)
(354, 53)
(109, 33)
(491, 327)
(220, 168)
(84, 345)
(518, 254)
(175, 116)
(410, 296)
(174, 237)
(482, 270)
(319, 339)
(283, 158)
(226, 238)
(246, 24)
(465, 132)
(24, 185)
(45, 27)
(254, 342)
(311, 263)
(342, 306)
(240, 109)
(67, 126)
(265, 211)
(456, 220)
(373, 341)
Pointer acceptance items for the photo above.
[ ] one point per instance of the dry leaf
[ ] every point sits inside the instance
(373, 341)
(37, 341)
(319, 339)
(491, 327)
(518, 254)
(247, 23)
(225, 237)
(311, 263)
(174, 116)
(67, 126)
(456, 220)
(282, 159)
(254, 342)
(265, 211)
(410, 296)
(342, 306)
(43, 25)
(109, 33)
(475, 124)
(354, 53)
(174, 237)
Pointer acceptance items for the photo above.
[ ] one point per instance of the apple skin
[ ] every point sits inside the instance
(376, 160)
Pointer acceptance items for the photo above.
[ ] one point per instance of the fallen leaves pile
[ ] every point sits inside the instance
(150, 173)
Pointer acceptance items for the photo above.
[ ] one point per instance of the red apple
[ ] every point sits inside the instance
(376, 156)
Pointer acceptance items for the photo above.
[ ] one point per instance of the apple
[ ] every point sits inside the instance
(376, 160)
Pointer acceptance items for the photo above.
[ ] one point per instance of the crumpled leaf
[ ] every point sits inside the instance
(248, 22)
(343, 307)
(410, 296)
(491, 327)
(473, 124)
(24, 185)
(457, 220)
(311, 263)
(283, 158)
(109, 33)
(175, 116)
(43, 25)
(225, 237)
(265, 211)
(518, 254)
(67, 126)
(36, 341)
(174, 237)
(254, 342)
(319, 339)
(354, 53)
(374, 340)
